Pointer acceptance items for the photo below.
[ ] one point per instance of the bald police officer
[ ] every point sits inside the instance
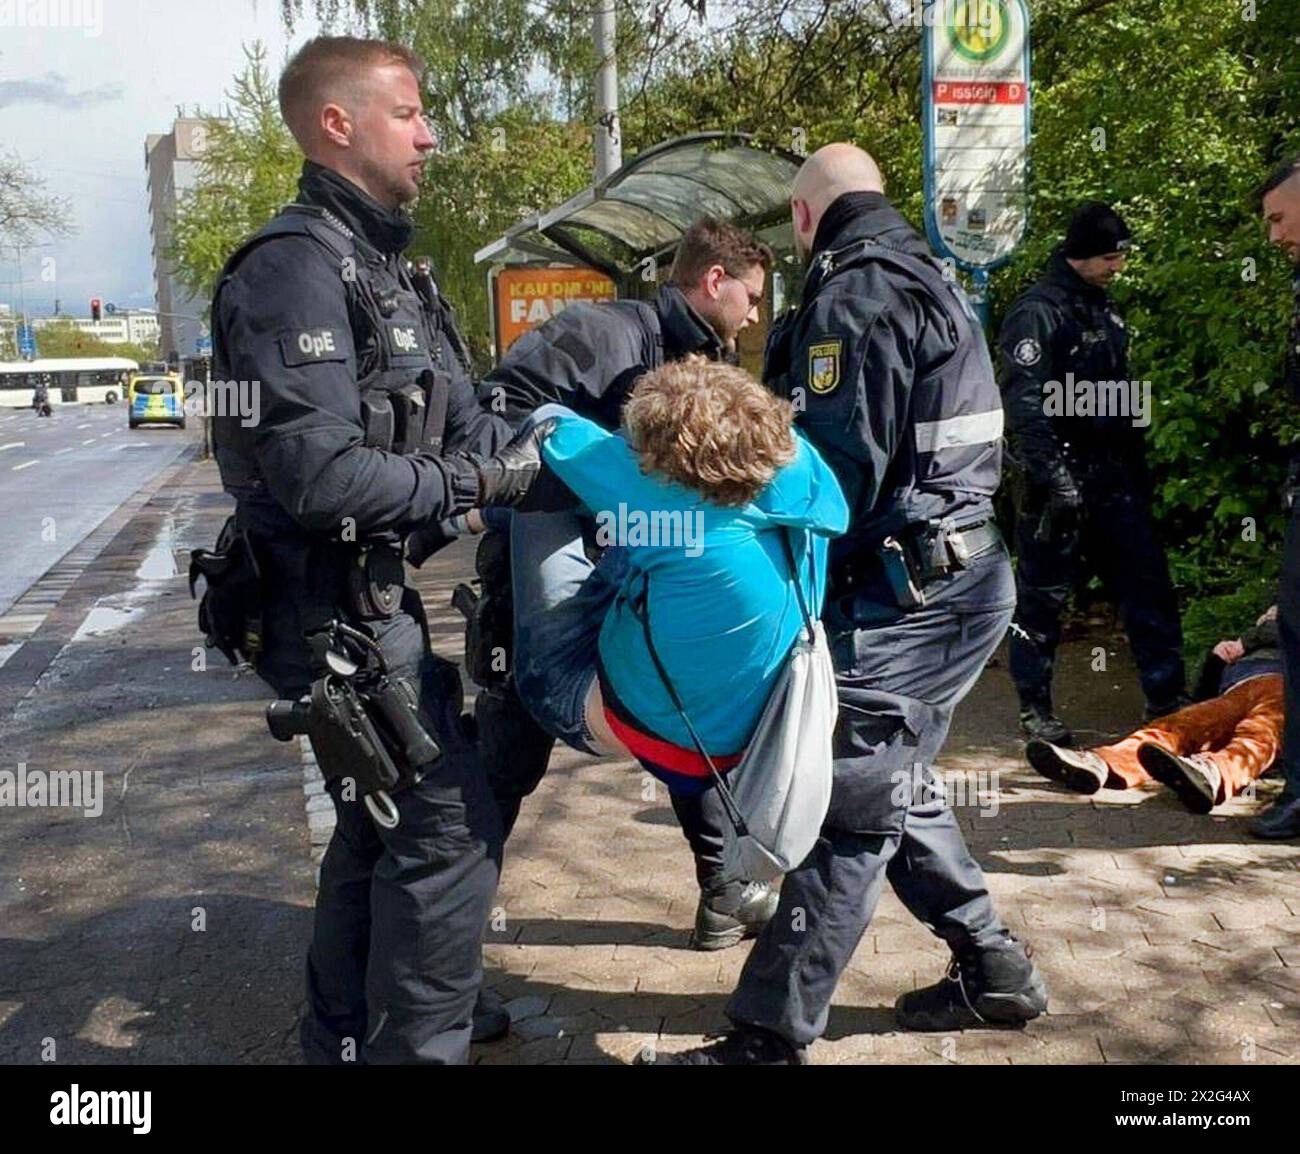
(890, 369)
(368, 430)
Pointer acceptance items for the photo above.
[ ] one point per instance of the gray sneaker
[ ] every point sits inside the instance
(1194, 778)
(726, 916)
(1078, 769)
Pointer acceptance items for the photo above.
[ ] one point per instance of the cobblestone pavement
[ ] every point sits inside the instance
(1164, 937)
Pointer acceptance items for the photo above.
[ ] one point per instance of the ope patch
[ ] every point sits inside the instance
(1028, 352)
(824, 365)
(307, 346)
(404, 338)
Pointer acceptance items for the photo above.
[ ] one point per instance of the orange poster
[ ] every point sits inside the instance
(528, 297)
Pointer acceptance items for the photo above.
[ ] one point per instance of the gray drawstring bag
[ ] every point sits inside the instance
(776, 797)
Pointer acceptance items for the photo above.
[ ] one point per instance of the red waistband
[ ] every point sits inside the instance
(666, 755)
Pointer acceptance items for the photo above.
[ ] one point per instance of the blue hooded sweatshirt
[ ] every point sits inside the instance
(723, 613)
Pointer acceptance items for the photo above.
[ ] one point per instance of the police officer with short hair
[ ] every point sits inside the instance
(1279, 201)
(1086, 491)
(588, 357)
(368, 430)
(887, 365)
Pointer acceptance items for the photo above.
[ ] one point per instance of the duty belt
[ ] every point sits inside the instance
(919, 554)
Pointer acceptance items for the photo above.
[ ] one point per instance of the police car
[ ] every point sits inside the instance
(156, 399)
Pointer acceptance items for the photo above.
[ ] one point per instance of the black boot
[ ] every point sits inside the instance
(997, 987)
(731, 913)
(743, 1046)
(1281, 821)
(1039, 722)
(491, 1018)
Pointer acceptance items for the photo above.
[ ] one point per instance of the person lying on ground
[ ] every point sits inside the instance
(1207, 752)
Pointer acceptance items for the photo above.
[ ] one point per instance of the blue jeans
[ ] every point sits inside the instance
(560, 600)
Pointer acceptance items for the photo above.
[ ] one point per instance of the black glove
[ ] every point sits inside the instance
(506, 477)
(1061, 509)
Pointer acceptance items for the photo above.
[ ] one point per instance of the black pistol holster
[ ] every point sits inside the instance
(488, 613)
(230, 612)
(362, 721)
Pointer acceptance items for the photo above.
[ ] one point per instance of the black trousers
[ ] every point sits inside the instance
(1288, 628)
(1113, 536)
(899, 678)
(395, 960)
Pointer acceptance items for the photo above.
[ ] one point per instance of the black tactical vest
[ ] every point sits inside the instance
(406, 344)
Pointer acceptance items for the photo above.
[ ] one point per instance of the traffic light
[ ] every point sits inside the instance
(94, 308)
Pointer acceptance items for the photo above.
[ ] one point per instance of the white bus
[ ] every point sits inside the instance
(71, 380)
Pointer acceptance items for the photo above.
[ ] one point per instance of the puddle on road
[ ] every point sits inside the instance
(160, 563)
(103, 619)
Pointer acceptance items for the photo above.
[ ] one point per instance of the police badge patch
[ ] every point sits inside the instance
(824, 365)
(1028, 352)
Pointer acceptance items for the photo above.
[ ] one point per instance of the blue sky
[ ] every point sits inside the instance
(77, 102)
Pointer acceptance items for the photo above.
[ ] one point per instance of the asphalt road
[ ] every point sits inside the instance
(60, 476)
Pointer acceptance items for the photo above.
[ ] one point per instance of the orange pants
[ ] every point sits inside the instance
(1240, 729)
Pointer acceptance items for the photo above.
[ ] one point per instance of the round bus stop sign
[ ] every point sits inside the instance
(976, 107)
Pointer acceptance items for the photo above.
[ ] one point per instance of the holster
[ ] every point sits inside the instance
(919, 554)
(230, 611)
(488, 613)
(376, 582)
(345, 740)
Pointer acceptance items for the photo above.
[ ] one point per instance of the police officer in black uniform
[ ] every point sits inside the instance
(1279, 199)
(1076, 421)
(887, 365)
(367, 428)
(588, 357)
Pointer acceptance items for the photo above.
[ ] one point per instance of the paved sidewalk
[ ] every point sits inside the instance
(1164, 937)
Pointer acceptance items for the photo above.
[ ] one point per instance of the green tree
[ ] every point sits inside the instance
(63, 339)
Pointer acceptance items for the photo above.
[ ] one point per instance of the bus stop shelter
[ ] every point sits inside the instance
(617, 237)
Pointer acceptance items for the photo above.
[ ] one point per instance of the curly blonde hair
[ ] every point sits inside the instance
(710, 427)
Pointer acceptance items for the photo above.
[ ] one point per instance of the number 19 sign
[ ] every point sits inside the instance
(975, 102)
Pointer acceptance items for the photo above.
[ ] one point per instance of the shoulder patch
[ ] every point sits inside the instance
(307, 346)
(1027, 352)
(824, 365)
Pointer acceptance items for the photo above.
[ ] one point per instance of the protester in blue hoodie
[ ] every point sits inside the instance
(690, 502)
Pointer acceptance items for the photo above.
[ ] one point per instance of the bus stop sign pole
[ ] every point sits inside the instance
(975, 101)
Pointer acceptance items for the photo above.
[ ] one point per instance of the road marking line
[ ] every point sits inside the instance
(88, 441)
(85, 425)
(24, 465)
(67, 450)
(12, 445)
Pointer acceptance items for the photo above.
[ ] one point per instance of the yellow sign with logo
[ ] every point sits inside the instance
(824, 365)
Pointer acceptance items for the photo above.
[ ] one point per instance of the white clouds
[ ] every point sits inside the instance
(77, 108)
(52, 88)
